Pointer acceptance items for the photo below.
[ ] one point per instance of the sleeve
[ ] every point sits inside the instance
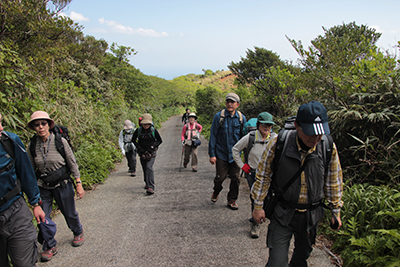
(237, 148)
(200, 127)
(121, 140)
(70, 159)
(158, 141)
(25, 173)
(263, 175)
(213, 136)
(333, 188)
(183, 133)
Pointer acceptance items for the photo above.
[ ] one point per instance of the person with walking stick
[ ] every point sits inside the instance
(190, 133)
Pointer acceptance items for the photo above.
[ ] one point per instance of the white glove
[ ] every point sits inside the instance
(183, 143)
(123, 152)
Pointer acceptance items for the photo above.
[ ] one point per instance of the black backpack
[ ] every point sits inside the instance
(59, 131)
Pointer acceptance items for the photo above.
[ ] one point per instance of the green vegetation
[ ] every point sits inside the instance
(88, 85)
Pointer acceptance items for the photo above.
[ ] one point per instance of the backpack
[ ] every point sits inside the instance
(9, 148)
(128, 145)
(250, 125)
(152, 131)
(59, 131)
(281, 144)
(196, 128)
(222, 120)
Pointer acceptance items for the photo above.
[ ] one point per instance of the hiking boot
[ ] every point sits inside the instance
(214, 196)
(78, 240)
(184, 165)
(194, 170)
(150, 191)
(255, 230)
(133, 174)
(48, 254)
(232, 205)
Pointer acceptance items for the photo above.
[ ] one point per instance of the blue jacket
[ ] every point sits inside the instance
(22, 169)
(223, 139)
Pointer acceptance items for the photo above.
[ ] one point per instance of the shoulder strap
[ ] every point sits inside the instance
(250, 144)
(328, 150)
(221, 118)
(60, 145)
(8, 145)
(32, 148)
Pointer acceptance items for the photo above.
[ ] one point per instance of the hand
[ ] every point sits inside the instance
(79, 190)
(39, 214)
(123, 152)
(183, 143)
(335, 226)
(246, 168)
(259, 216)
(213, 160)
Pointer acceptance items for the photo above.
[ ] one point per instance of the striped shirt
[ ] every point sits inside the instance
(333, 186)
(48, 159)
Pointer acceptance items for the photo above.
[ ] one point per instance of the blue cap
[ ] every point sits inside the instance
(313, 118)
(47, 231)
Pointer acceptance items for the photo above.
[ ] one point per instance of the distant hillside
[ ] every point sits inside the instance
(220, 78)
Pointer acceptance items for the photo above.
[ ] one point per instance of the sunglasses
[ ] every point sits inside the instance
(43, 123)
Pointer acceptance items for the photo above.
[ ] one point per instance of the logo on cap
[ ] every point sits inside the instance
(317, 119)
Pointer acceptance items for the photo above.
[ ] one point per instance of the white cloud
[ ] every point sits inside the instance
(78, 17)
(128, 30)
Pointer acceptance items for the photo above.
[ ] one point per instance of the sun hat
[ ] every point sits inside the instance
(147, 119)
(265, 117)
(128, 125)
(193, 115)
(40, 115)
(313, 118)
(233, 97)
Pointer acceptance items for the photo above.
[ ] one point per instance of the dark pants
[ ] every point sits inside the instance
(225, 169)
(64, 197)
(148, 172)
(131, 157)
(278, 241)
(17, 236)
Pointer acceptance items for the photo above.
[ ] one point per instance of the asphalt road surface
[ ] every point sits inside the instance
(177, 226)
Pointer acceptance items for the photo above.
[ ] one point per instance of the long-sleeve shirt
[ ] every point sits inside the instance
(333, 186)
(222, 139)
(54, 160)
(192, 129)
(145, 141)
(255, 151)
(21, 169)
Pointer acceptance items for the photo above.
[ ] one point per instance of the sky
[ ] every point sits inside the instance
(178, 37)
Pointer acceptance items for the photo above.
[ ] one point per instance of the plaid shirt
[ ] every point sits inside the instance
(333, 187)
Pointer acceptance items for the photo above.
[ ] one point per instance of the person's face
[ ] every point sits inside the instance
(191, 119)
(188, 111)
(308, 140)
(41, 127)
(1, 125)
(265, 129)
(146, 126)
(231, 105)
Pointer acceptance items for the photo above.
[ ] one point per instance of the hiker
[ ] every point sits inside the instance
(226, 130)
(146, 140)
(185, 116)
(299, 208)
(253, 145)
(53, 173)
(128, 149)
(17, 232)
(190, 132)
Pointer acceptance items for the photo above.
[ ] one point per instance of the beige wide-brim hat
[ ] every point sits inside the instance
(193, 115)
(128, 125)
(147, 119)
(40, 115)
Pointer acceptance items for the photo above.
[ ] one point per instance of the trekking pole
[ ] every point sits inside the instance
(180, 165)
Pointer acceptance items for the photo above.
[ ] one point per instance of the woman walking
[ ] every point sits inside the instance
(53, 161)
(190, 132)
(147, 139)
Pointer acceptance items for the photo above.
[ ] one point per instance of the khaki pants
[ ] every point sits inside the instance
(189, 150)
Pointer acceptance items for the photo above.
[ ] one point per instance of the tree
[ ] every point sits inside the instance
(330, 56)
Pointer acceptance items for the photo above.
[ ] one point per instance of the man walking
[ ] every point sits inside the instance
(226, 130)
(17, 233)
(298, 209)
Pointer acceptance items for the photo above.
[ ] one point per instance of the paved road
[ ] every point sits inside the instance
(177, 226)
